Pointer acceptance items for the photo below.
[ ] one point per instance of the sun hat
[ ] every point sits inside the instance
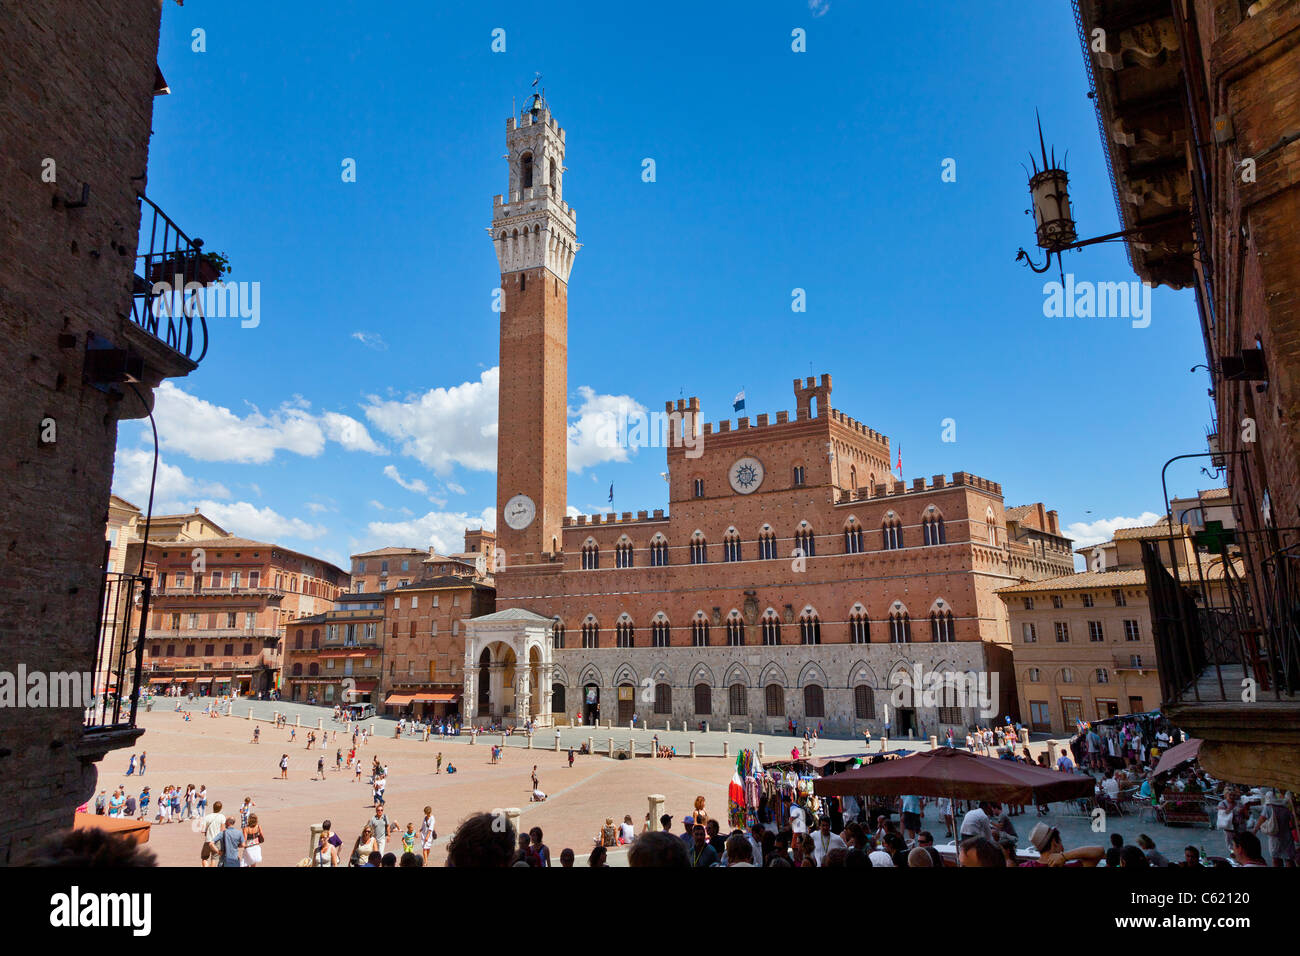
(1041, 836)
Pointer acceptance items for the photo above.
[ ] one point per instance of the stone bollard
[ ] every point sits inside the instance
(250, 712)
(726, 748)
(1024, 735)
(631, 725)
(557, 743)
(313, 839)
(631, 747)
(760, 751)
(512, 818)
(751, 727)
(530, 741)
(473, 739)
(692, 749)
(320, 723)
(611, 746)
(591, 745)
(728, 726)
(297, 721)
(656, 801)
(706, 726)
(934, 742)
(503, 741)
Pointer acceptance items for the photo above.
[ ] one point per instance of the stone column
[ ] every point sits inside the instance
(692, 749)
(726, 747)
(934, 742)
(591, 745)
(297, 721)
(706, 726)
(631, 747)
(557, 744)
(760, 751)
(530, 740)
(728, 726)
(313, 839)
(656, 810)
(611, 746)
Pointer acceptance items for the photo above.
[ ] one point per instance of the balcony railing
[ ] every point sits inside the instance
(123, 610)
(242, 589)
(1226, 634)
(210, 634)
(164, 252)
(203, 664)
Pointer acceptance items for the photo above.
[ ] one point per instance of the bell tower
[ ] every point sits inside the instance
(535, 235)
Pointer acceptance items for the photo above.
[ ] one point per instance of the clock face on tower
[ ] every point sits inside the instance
(745, 475)
(520, 511)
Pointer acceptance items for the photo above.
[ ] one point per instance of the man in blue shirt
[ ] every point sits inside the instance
(231, 842)
(911, 807)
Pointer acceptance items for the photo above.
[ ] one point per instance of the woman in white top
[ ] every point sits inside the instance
(253, 840)
(324, 854)
(427, 833)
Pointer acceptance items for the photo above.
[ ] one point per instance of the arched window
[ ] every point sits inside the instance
(731, 546)
(775, 699)
(624, 632)
(557, 635)
(992, 526)
(805, 540)
(891, 532)
(590, 555)
(297, 641)
(814, 703)
(766, 544)
(853, 477)
(853, 537)
(315, 638)
(699, 549)
(700, 630)
(623, 554)
(703, 699)
(932, 529)
(663, 699)
(526, 171)
(900, 627)
(553, 179)
(660, 632)
(658, 551)
(313, 669)
(590, 634)
(771, 627)
(864, 702)
(810, 628)
(557, 699)
(859, 627)
(941, 627)
(297, 670)
(735, 631)
(736, 703)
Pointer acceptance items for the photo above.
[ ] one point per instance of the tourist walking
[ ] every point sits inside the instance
(253, 840)
(284, 766)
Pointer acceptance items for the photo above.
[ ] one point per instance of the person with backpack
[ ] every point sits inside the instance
(1277, 822)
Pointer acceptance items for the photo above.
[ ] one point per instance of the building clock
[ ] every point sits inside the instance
(520, 511)
(745, 475)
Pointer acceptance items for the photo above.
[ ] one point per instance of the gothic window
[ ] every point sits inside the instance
(766, 544)
(798, 475)
(731, 547)
(736, 700)
(775, 699)
(859, 627)
(590, 556)
(932, 530)
(658, 552)
(553, 180)
(853, 477)
(892, 533)
(590, 634)
(814, 701)
(663, 699)
(900, 627)
(771, 628)
(735, 631)
(805, 540)
(699, 549)
(623, 554)
(941, 627)
(699, 487)
(853, 538)
(703, 699)
(526, 171)
(700, 631)
(660, 633)
(557, 633)
(810, 628)
(625, 633)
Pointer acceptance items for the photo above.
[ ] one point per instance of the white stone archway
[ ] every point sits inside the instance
(509, 667)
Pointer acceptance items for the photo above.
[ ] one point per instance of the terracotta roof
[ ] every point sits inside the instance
(1018, 512)
(1083, 579)
(1158, 530)
(231, 541)
(1215, 493)
(382, 551)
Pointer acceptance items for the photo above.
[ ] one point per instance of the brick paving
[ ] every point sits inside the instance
(217, 752)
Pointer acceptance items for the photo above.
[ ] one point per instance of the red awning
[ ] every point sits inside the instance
(137, 831)
(1175, 757)
(436, 698)
(364, 685)
(398, 700)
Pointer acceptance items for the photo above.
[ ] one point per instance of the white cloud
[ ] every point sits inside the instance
(265, 524)
(133, 470)
(444, 531)
(315, 507)
(208, 432)
(455, 488)
(371, 340)
(444, 427)
(1087, 533)
(819, 8)
(415, 484)
(602, 427)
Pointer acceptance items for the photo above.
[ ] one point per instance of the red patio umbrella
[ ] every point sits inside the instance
(948, 772)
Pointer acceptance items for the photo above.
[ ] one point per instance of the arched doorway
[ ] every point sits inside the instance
(590, 704)
(534, 682)
(485, 682)
(626, 702)
(557, 698)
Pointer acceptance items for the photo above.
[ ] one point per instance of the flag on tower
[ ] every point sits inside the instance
(611, 493)
(900, 461)
(738, 403)
(537, 79)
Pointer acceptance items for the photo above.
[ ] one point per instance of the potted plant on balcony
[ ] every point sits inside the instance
(204, 268)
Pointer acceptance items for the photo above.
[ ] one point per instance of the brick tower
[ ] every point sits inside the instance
(534, 232)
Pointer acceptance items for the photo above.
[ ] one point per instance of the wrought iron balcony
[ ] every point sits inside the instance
(164, 255)
(123, 611)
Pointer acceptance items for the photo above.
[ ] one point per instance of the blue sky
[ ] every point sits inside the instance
(360, 411)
